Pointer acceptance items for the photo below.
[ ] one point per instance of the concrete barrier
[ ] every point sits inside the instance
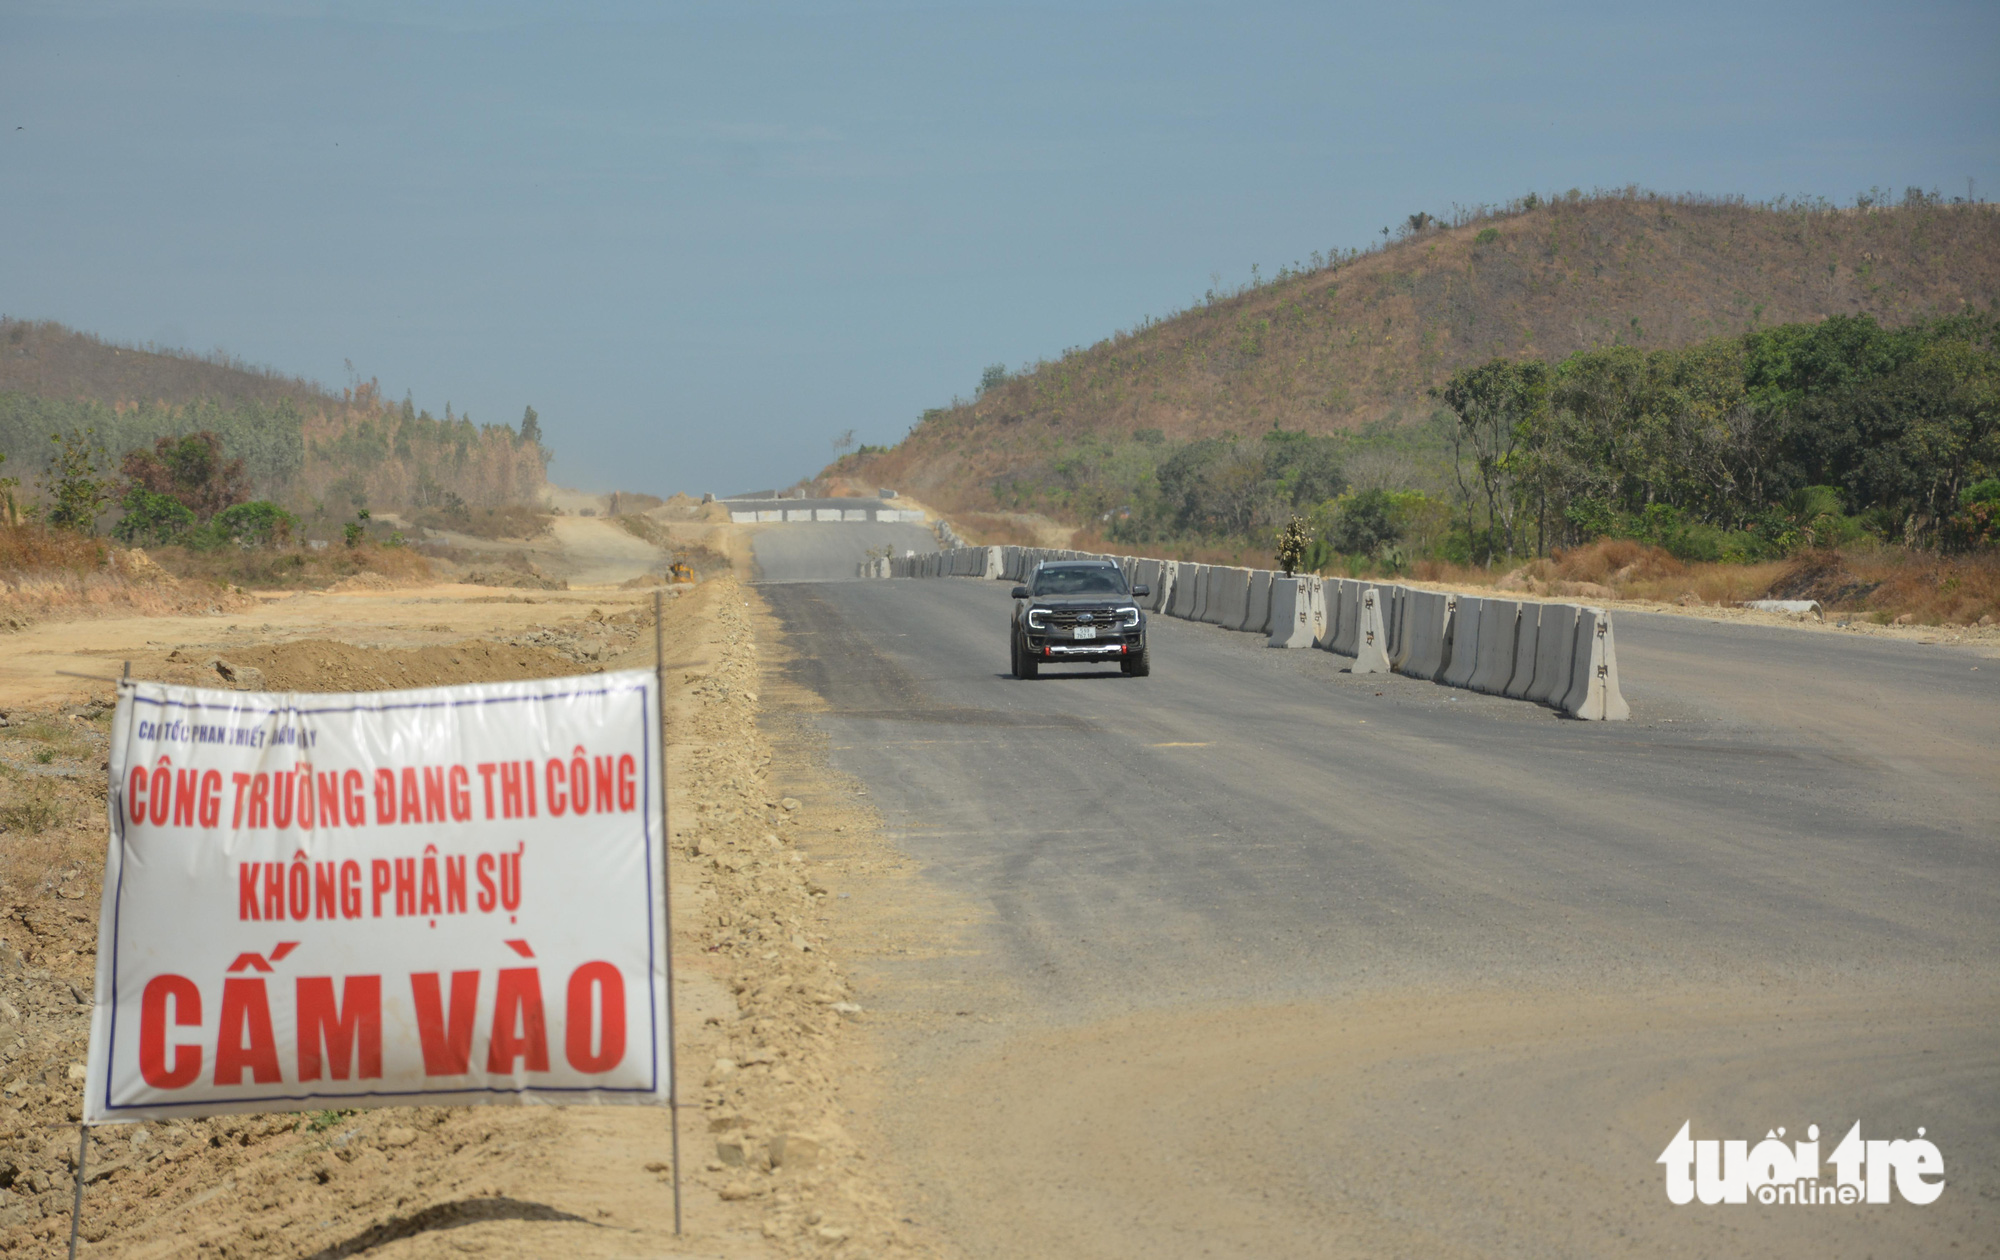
(1204, 576)
(1347, 629)
(1258, 619)
(1499, 620)
(1233, 589)
(1146, 573)
(1335, 592)
(1593, 691)
(1186, 576)
(1248, 622)
(1555, 648)
(1395, 601)
(1328, 624)
(1464, 642)
(1316, 608)
(1228, 598)
(1527, 645)
(1291, 613)
(1356, 589)
(1371, 642)
(1424, 616)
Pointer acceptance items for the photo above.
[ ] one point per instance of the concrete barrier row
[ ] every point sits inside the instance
(766, 516)
(1561, 655)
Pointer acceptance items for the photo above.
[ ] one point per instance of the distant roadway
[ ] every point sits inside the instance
(1270, 960)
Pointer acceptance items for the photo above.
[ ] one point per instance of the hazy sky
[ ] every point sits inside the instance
(703, 240)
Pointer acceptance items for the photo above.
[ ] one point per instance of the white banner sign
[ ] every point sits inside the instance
(451, 895)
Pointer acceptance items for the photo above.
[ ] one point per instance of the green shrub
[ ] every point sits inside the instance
(151, 518)
(1362, 523)
(258, 523)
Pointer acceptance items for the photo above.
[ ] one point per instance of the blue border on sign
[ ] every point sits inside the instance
(652, 906)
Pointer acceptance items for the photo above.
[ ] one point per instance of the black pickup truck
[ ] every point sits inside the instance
(1078, 610)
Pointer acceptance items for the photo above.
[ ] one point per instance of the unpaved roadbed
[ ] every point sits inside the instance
(769, 1167)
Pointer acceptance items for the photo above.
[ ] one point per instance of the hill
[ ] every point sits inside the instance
(1354, 345)
(316, 449)
(49, 360)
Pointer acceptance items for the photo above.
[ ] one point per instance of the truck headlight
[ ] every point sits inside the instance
(1035, 616)
(1130, 616)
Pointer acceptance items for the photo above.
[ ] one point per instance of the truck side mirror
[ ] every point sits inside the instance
(1020, 592)
(1141, 591)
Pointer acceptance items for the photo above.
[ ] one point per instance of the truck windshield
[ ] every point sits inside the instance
(1080, 582)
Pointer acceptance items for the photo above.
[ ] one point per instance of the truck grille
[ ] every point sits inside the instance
(1102, 618)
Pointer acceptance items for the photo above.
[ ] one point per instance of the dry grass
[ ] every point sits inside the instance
(292, 569)
(31, 803)
(50, 820)
(1891, 583)
(53, 573)
(31, 548)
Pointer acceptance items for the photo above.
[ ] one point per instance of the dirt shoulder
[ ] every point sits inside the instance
(765, 1034)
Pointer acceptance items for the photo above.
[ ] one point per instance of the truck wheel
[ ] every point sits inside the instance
(1025, 663)
(1139, 664)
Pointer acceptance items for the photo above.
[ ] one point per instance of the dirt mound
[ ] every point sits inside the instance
(324, 665)
(362, 582)
(515, 578)
(1927, 588)
(1824, 576)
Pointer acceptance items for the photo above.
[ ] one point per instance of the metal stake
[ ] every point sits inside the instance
(76, 1205)
(667, 887)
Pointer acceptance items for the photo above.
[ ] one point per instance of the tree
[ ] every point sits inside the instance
(76, 489)
(992, 378)
(1362, 523)
(841, 441)
(531, 429)
(1500, 406)
(255, 524)
(151, 518)
(7, 487)
(1302, 469)
(191, 470)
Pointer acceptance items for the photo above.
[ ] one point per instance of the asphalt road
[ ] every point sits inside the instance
(1473, 964)
(802, 552)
